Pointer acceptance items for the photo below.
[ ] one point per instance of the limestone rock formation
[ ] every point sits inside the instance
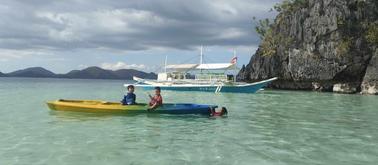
(319, 44)
(370, 82)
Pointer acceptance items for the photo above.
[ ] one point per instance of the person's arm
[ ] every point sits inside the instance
(151, 100)
(158, 102)
(149, 95)
(153, 106)
(123, 100)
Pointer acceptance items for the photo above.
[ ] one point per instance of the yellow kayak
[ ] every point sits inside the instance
(116, 107)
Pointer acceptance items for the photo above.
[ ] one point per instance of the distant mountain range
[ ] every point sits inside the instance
(32, 72)
(88, 73)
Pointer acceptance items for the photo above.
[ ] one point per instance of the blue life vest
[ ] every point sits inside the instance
(129, 99)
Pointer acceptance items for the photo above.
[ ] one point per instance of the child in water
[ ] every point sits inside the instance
(130, 98)
(222, 112)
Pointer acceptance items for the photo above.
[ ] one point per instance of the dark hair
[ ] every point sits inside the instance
(225, 110)
(130, 86)
(157, 88)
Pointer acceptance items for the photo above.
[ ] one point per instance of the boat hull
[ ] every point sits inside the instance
(233, 89)
(94, 106)
(246, 88)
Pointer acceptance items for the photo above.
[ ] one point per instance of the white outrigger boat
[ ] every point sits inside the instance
(207, 77)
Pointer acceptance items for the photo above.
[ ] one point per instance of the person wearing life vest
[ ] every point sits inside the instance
(130, 98)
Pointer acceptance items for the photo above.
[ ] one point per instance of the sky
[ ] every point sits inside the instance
(63, 35)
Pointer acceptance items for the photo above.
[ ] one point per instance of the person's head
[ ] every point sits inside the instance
(224, 111)
(130, 88)
(157, 90)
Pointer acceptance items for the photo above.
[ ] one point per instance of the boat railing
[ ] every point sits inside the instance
(211, 77)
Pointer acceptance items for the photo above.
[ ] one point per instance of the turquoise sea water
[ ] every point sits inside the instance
(271, 127)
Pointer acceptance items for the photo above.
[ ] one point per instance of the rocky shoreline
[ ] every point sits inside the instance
(321, 45)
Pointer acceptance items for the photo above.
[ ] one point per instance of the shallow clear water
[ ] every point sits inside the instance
(271, 127)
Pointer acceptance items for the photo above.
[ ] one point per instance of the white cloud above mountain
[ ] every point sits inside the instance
(122, 65)
(61, 35)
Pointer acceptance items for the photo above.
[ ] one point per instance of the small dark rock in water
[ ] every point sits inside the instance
(323, 45)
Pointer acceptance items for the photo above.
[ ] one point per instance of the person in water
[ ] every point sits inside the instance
(130, 98)
(156, 100)
(222, 112)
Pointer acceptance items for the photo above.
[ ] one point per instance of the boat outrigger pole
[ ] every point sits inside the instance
(165, 64)
(236, 65)
(201, 55)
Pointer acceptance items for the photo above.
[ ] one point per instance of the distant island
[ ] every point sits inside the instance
(88, 73)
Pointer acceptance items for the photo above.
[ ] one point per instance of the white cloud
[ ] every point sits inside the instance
(129, 25)
(87, 26)
(122, 65)
(18, 54)
(29, 54)
(82, 66)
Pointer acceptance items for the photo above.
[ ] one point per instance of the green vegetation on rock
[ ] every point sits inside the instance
(263, 27)
(265, 30)
(270, 40)
(268, 45)
(344, 46)
(290, 5)
(372, 34)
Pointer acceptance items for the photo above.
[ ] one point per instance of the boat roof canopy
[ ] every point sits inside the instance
(215, 66)
(182, 67)
(212, 66)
